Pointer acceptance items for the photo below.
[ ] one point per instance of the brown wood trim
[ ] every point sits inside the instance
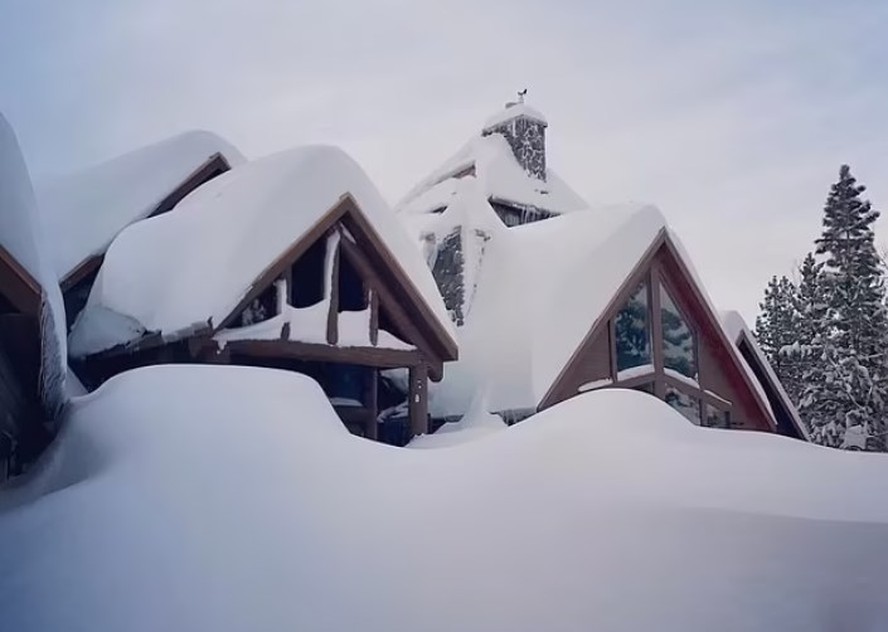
(279, 266)
(333, 308)
(719, 333)
(18, 286)
(393, 307)
(656, 328)
(633, 382)
(214, 166)
(370, 401)
(697, 392)
(418, 404)
(612, 343)
(620, 297)
(445, 346)
(373, 300)
(81, 271)
(313, 352)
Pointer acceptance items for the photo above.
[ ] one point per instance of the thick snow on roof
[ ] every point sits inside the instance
(512, 111)
(540, 288)
(22, 236)
(83, 211)
(195, 263)
(191, 498)
(499, 175)
(736, 328)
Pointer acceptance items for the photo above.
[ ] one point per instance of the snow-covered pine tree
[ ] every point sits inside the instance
(775, 327)
(849, 387)
(810, 308)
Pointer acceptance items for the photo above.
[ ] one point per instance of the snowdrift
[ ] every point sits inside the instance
(230, 498)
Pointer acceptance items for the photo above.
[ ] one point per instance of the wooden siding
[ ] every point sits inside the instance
(592, 365)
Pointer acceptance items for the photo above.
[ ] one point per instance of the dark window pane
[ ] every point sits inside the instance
(351, 287)
(645, 388)
(678, 338)
(685, 404)
(716, 418)
(308, 281)
(632, 331)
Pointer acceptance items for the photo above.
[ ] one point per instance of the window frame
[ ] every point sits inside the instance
(655, 279)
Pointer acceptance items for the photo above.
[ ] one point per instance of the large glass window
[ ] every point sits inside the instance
(633, 332)
(684, 403)
(679, 348)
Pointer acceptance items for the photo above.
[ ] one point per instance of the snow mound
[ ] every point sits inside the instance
(476, 423)
(242, 221)
(21, 235)
(83, 211)
(236, 501)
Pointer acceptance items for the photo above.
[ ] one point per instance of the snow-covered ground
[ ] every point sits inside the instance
(231, 498)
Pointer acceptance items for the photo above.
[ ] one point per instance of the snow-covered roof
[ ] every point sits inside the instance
(195, 264)
(540, 288)
(513, 111)
(490, 160)
(736, 327)
(21, 236)
(83, 211)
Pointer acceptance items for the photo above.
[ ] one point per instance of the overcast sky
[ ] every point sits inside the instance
(733, 117)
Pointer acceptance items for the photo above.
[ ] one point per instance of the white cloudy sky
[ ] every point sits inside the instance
(732, 117)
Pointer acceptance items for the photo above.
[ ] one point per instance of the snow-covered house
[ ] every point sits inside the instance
(498, 178)
(85, 210)
(292, 261)
(32, 330)
(550, 305)
(785, 414)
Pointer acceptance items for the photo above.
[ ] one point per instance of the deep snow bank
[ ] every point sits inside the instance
(222, 498)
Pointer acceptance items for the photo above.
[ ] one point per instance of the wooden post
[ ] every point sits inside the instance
(419, 402)
(333, 313)
(371, 405)
(656, 331)
(374, 317)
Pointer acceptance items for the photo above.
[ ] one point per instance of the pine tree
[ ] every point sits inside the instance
(848, 386)
(809, 306)
(775, 327)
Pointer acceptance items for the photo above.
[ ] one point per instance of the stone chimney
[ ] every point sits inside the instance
(525, 130)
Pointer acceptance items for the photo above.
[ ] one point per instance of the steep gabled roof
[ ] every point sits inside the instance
(198, 264)
(83, 211)
(758, 365)
(540, 287)
(490, 161)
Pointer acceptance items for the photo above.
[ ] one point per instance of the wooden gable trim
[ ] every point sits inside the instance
(18, 286)
(710, 319)
(417, 322)
(445, 347)
(622, 295)
(650, 266)
(393, 307)
(214, 166)
(83, 270)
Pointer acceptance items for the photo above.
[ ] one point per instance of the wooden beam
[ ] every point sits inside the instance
(333, 311)
(18, 286)
(370, 402)
(418, 404)
(393, 307)
(313, 352)
(373, 300)
(656, 329)
(83, 270)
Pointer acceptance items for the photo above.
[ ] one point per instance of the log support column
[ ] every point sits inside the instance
(419, 400)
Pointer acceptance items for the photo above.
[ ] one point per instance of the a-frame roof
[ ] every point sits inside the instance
(198, 265)
(84, 210)
(742, 337)
(546, 289)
